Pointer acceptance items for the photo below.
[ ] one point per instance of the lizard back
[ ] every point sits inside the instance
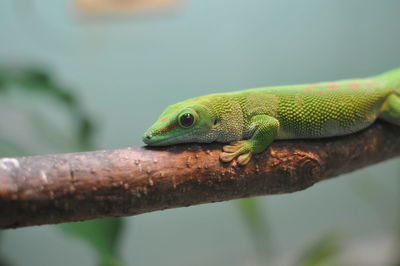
(318, 109)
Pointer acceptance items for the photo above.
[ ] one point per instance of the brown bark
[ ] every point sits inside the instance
(80, 186)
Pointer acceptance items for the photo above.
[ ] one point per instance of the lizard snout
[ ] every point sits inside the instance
(147, 137)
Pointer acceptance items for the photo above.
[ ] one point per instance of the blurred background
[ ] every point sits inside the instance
(94, 74)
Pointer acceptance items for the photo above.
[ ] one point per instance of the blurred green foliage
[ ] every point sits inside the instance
(324, 252)
(256, 223)
(103, 235)
(8, 148)
(37, 80)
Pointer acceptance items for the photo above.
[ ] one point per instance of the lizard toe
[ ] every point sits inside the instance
(227, 156)
(244, 158)
(230, 148)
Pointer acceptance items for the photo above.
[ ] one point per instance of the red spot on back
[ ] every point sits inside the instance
(164, 119)
(369, 85)
(372, 83)
(354, 85)
(321, 92)
(333, 86)
(308, 89)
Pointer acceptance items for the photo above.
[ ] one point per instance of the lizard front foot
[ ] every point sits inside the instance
(241, 149)
(265, 130)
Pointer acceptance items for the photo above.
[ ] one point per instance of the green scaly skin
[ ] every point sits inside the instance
(251, 119)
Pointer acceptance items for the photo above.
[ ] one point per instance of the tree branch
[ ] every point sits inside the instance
(80, 186)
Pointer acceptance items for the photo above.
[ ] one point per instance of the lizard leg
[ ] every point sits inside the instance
(264, 128)
(391, 109)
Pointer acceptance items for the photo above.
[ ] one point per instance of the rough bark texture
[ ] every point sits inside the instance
(80, 186)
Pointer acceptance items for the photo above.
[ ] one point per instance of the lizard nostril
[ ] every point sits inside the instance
(148, 136)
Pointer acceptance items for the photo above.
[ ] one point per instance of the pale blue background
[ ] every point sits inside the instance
(127, 70)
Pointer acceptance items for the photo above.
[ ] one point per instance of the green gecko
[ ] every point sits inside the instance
(251, 119)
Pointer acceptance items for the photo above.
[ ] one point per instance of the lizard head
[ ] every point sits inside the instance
(181, 123)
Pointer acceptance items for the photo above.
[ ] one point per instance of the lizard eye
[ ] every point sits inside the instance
(186, 120)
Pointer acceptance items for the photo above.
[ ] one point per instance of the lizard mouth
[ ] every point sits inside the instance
(157, 140)
(155, 137)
